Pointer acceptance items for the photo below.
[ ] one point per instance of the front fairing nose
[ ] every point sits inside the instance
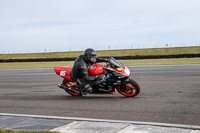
(127, 71)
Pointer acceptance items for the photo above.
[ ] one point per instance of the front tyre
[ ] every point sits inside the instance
(130, 89)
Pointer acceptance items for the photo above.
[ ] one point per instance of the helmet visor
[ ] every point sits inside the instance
(92, 58)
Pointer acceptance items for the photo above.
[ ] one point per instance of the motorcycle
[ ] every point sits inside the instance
(117, 77)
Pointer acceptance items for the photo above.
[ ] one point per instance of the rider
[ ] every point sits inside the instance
(80, 73)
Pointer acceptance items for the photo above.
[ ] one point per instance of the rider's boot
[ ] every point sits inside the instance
(86, 89)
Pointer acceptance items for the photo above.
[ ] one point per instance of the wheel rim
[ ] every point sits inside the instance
(72, 93)
(130, 90)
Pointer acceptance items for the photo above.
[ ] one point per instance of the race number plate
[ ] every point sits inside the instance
(62, 73)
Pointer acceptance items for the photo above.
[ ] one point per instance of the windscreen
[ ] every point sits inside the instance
(116, 64)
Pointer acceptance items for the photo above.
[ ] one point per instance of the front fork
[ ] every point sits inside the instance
(123, 86)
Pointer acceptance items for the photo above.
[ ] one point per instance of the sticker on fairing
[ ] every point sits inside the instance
(62, 73)
(93, 67)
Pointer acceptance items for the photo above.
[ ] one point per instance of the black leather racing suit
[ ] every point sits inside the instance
(80, 73)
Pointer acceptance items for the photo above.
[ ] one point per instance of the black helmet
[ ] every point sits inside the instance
(90, 55)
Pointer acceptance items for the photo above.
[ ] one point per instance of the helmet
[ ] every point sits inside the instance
(90, 55)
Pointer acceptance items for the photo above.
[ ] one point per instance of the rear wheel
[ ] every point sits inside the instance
(67, 83)
(130, 89)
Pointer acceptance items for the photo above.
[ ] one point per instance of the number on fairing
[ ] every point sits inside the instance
(62, 73)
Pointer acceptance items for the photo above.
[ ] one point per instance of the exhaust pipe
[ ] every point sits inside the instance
(62, 86)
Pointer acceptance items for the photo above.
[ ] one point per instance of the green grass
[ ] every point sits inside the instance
(14, 131)
(23, 65)
(162, 61)
(113, 53)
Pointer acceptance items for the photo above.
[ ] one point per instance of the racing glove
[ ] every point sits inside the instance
(106, 60)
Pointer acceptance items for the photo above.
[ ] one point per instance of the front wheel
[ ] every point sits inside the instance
(130, 89)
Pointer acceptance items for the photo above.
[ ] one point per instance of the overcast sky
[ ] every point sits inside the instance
(63, 25)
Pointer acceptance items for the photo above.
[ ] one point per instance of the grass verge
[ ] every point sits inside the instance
(113, 53)
(14, 131)
(24, 65)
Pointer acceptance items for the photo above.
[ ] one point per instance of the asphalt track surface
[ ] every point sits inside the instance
(169, 94)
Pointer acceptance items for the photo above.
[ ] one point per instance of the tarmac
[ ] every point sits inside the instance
(87, 125)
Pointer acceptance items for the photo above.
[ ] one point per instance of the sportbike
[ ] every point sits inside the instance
(117, 77)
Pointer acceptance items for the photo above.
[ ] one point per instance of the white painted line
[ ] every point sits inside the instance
(123, 130)
(105, 120)
(62, 127)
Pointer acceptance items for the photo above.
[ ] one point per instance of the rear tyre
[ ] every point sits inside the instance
(68, 83)
(130, 89)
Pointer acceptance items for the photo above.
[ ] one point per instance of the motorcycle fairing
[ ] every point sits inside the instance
(64, 72)
(125, 71)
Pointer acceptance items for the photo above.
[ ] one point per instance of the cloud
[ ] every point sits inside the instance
(59, 23)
